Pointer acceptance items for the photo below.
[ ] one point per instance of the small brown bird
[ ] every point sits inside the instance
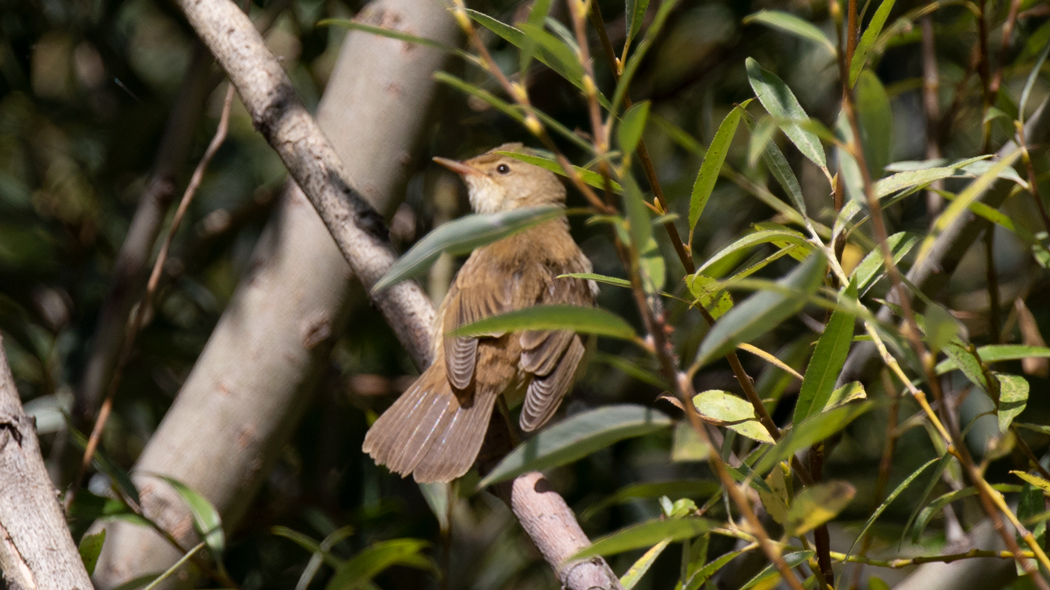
(435, 429)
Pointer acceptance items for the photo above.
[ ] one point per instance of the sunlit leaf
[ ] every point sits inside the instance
(585, 320)
(634, 573)
(635, 10)
(754, 239)
(1034, 480)
(712, 166)
(816, 505)
(645, 534)
(793, 560)
(941, 327)
(867, 40)
(709, 293)
(827, 361)
(776, 502)
(576, 437)
(464, 235)
(873, 264)
(791, 24)
(737, 412)
(780, 169)
(811, 431)
(1030, 83)
(780, 102)
(1013, 397)
(206, 519)
(635, 60)
(704, 574)
(638, 222)
(889, 500)
(994, 353)
(876, 122)
(762, 311)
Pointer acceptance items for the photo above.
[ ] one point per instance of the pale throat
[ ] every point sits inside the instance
(485, 196)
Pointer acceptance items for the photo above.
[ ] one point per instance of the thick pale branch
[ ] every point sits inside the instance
(36, 550)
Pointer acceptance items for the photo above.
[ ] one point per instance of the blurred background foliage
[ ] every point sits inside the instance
(86, 89)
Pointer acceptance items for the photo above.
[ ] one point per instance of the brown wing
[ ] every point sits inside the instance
(552, 356)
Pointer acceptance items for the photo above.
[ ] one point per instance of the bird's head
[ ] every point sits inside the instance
(496, 182)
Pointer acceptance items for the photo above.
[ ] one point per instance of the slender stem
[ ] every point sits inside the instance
(992, 279)
(145, 304)
(1030, 169)
(931, 105)
(171, 570)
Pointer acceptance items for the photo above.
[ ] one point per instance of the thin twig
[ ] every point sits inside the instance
(931, 105)
(138, 318)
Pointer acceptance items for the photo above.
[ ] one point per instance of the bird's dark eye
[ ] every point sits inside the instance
(503, 169)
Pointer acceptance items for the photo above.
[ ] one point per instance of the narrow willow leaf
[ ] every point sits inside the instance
(537, 15)
(103, 463)
(849, 168)
(1013, 397)
(939, 503)
(889, 500)
(631, 369)
(1030, 83)
(876, 122)
(763, 311)
(940, 327)
(634, 574)
(793, 560)
(852, 391)
(738, 413)
(652, 266)
(790, 23)
(867, 40)
(994, 353)
(958, 206)
(462, 236)
(356, 572)
(871, 267)
(779, 167)
(645, 534)
(638, 222)
(635, 10)
(911, 179)
(206, 519)
(635, 60)
(780, 102)
(971, 365)
(617, 281)
(776, 503)
(712, 166)
(827, 361)
(754, 239)
(1031, 505)
(632, 125)
(354, 25)
(576, 437)
(584, 320)
(1034, 480)
(935, 478)
(686, 488)
(813, 430)
(90, 547)
(588, 176)
(705, 573)
(816, 505)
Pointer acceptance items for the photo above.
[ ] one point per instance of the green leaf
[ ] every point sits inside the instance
(462, 236)
(576, 437)
(971, 366)
(645, 534)
(813, 430)
(103, 463)
(1031, 505)
(781, 170)
(889, 500)
(686, 488)
(439, 495)
(762, 311)
(537, 15)
(354, 25)
(687, 447)
(793, 560)
(712, 166)
(709, 293)
(590, 276)
(585, 320)
(780, 102)
(486, 96)
(1034, 480)
(632, 125)
(90, 548)
(816, 505)
(827, 360)
(1013, 397)
(790, 23)
(867, 40)
(635, 60)
(753, 239)
(994, 353)
(634, 574)
(876, 122)
(635, 9)
(638, 223)
(206, 519)
(588, 176)
(705, 573)
(911, 179)
(720, 405)
(1030, 83)
(962, 202)
(652, 266)
(871, 267)
(358, 571)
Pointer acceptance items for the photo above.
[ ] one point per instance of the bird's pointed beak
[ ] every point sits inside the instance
(457, 167)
